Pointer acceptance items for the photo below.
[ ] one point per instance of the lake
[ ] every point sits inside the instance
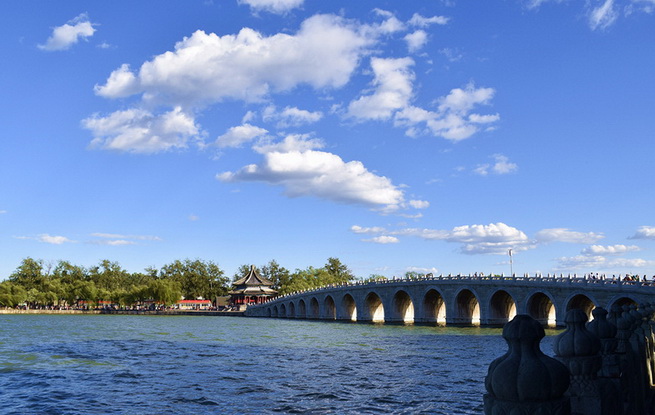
(126, 364)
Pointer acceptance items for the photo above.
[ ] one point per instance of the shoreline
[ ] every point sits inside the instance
(131, 312)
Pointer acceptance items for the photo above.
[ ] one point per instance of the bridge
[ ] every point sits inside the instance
(457, 300)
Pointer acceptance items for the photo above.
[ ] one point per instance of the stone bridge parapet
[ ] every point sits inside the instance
(456, 300)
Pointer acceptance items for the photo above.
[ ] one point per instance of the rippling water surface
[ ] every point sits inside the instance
(107, 364)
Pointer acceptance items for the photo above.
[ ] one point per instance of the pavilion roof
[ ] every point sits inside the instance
(253, 278)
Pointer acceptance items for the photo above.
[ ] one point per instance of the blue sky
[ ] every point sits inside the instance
(428, 136)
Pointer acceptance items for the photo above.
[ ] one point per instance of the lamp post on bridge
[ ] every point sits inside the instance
(511, 265)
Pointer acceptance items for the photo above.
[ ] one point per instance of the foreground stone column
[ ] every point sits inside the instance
(524, 380)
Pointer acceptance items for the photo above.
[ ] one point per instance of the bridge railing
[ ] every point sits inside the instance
(600, 280)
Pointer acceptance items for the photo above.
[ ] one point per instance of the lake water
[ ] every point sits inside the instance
(110, 364)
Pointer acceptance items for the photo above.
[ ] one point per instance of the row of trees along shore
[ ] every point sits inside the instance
(39, 284)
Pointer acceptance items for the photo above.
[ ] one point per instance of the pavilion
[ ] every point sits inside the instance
(251, 289)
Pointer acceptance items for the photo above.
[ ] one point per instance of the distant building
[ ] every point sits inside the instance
(251, 289)
(193, 305)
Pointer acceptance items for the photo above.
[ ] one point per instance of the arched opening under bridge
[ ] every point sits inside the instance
(348, 308)
(375, 308)
(330, 308)
(275, 312)
(313, 308)
(582, 302)
(302, 309)
(623, 301)
(541, 308)
(502, 308)
(467, 308)
(268, 312)
(402, 308)
(434, 308)
(283, 311)
(292, 310)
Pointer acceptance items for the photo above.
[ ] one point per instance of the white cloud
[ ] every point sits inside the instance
(207, 68)
(140, 131)
(603, 16)
(454, 119)
(48, 239)
(420, 21)
(423, 270)
(419, 204)
(308, 172)
(495, 238)
(362, 230)
(384, 239)
(236, 136)
(501, 166)
(599, 263)
(114, 242)
(416, 40)
(609, 250)
(393, 89)
(290, 116)
(65, 36)
(120, 236)
(644, 232)
(273, 6)
(567, 235)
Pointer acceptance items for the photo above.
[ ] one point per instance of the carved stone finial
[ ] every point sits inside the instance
(524, 380)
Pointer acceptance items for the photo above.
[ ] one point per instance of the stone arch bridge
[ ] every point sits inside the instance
(456, 300)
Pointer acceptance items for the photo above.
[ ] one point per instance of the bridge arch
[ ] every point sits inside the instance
(283, 310)
(581, 301)
(291, 310)
(373, 308)
(467, 308)
(313, 308)
(330, 309)
(275, 312)
(621, 301)
(402, 308)
(348, 308)
(302, 309)
(541, 307)
(434, 307)
(268, 312)
(502, 308)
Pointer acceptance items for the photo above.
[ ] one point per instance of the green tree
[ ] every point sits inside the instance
(12, 294)
(242, 271)
(338, 271)
(166, 292)
(197, 278)
(29, 274)
(275, 273)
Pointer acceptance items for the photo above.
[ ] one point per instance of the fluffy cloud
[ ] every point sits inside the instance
(420, 21)
(598, 262)
(384, 239)
(419, 204)
(393, 89)
(303, 171)
(644, 232)
(609, 250)
(206, 68)
(416, 40)
(567, 235)
(140, 131)
(236, 136)
(454, 119)
(495, 238)
(359, 229)
(501, 166)
(65, 36)
(290, 116)
(273, 6)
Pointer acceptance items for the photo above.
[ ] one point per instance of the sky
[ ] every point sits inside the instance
(427, 136)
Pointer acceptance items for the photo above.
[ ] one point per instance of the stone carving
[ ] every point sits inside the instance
(525, 380)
